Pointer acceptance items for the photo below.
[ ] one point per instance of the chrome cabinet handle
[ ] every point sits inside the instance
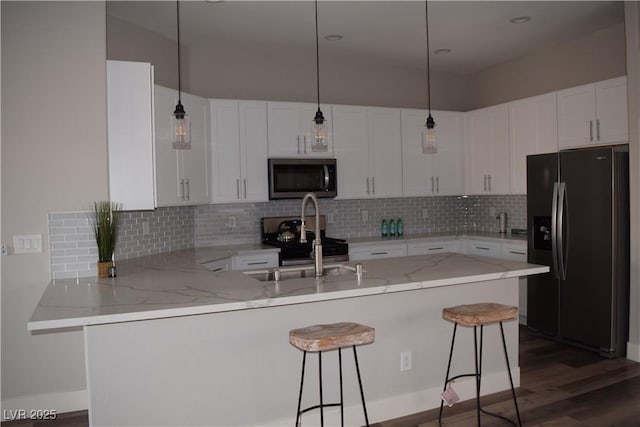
(432, 185)
(489, 182)
(325, 178)
(304, 143)
(237, 188)
(367, 185)
(245, 188)
(258, 263)
(482, 247)
(485, 183)
(435, 249)
(598, 129)
(373, 185)
(517, 253)
(182, 189)
(188, 185)
(379, 253)
(437, 184)
(298, 139)
(590, 130)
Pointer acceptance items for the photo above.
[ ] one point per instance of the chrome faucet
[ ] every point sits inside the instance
(317, 242)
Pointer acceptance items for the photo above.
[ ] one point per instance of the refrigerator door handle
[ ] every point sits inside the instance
(563, 249)
(554, 230)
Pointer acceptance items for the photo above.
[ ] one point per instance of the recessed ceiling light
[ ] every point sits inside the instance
(333, 37)
(520, 19)
(442, 51)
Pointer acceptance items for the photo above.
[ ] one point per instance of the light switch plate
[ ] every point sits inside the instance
(27, 244)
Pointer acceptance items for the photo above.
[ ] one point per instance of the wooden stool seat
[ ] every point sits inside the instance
(330, 337)
(480, 313)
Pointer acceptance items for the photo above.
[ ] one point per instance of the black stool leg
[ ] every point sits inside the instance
(341, 394)
(304, 358)
(475, 353)
(513, 391)
(320, 382)
(453, 340)
(480, 362)
(364, 406)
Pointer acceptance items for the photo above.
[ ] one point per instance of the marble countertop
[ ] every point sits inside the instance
(176, 284)
(407, 238)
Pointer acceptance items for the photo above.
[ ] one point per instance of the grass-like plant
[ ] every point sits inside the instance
(105, 223)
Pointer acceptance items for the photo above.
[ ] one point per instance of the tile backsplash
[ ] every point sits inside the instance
(73, 252)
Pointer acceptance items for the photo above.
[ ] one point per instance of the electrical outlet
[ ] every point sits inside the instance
(365, 215)
(231, 222)
(405, 361)
(425, 213)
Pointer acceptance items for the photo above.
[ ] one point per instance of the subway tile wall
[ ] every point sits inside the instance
(72, 246)
(73, 252)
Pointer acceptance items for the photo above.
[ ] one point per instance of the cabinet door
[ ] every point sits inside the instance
(130, 134)
(498, 182)
(194, 161)
(478, 134)
(447, 162)
(253, 150)
(285, 138)
(479, 247)
(169, 185)
(255, 261)
(611, 105)
(576, 116)
(416, 166)
(351, 151)
(385, 152)
(533, 126)
(225, 151)
(307, 114)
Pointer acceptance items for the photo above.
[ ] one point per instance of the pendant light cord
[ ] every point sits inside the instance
(178, 33)
(426, 18)
(317, 57)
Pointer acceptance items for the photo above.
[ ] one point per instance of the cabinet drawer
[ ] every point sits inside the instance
(250, 262)
(219, 265)
(478, 247)
(514, 252)
(378, 251)
(425, 248)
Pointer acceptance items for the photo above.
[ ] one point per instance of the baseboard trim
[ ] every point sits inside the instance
(405, 404)
(69, 401)
(633, 351)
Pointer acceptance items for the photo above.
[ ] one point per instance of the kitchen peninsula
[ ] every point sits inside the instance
(168, 342)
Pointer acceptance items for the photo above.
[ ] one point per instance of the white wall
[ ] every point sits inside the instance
(632, 21)
(54, 159)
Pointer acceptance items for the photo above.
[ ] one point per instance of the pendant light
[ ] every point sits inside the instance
(319, 142)
(428, 134)
(180, 121)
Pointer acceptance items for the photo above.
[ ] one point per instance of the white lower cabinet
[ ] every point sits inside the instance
(484, 248)
(433, 247)
(255, 261)
(518, 252)
(377, 250)
(218, 265)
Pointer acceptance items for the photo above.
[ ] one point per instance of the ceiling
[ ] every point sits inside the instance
(478, 33)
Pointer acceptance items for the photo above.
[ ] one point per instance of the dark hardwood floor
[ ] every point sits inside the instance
(560, 386)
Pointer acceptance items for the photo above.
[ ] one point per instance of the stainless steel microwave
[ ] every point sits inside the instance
(294, 178)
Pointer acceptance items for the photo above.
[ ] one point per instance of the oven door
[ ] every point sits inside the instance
(294, 178)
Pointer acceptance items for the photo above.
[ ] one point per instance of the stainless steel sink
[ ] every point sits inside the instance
(285, 273)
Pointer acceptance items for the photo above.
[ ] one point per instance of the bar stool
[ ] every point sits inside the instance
(319, 338)
(474, 315)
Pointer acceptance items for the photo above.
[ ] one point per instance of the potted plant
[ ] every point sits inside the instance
(105, 225)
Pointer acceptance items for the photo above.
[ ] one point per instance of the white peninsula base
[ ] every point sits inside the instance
(236, 368)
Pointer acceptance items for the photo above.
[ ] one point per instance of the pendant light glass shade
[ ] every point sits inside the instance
(319, 140)
(429, 145)
(180, 121)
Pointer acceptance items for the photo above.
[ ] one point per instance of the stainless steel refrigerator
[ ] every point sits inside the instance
(578, 222)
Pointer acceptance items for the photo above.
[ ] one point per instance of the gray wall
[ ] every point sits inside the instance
(54, 158)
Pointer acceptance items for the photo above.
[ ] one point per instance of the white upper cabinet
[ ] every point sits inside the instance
(368, 151)
(533, 126)
(486, 134)
(593, 114)
(291, 129)
(181, 175)
(238, 156)
(432, 174)
(130, 134)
